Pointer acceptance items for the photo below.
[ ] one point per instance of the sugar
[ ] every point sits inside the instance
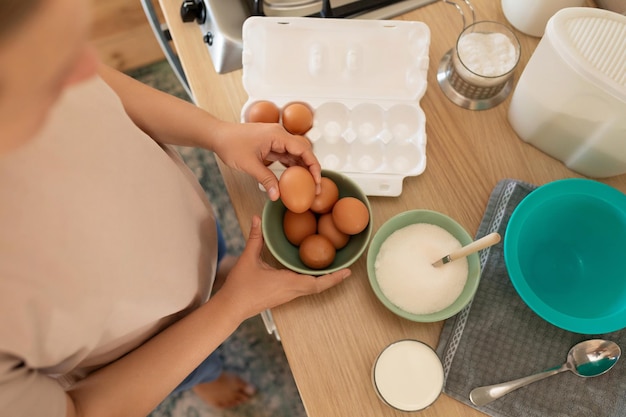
(487, 54)
(405, 273)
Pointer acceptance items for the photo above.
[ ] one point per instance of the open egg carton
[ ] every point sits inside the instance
(363, 80)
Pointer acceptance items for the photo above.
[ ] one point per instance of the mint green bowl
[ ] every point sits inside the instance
(408, 218)
(287, 253)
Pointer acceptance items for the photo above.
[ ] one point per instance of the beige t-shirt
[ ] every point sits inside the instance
(105, 239)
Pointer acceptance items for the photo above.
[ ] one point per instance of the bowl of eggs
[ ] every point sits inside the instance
(316, 234)
(401, 271)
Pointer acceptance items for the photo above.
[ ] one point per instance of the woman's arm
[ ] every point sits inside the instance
(136, 383)
(242, 146)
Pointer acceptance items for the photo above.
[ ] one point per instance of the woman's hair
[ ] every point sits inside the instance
(13, 12)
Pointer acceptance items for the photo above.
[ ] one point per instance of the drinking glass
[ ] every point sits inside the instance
(477, 73)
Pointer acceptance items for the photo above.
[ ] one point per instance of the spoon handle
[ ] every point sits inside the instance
(484, 395)
(482, 243)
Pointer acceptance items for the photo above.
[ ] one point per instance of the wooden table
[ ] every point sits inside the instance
(332, 339)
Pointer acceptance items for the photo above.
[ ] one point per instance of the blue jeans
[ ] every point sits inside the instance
(212, 366)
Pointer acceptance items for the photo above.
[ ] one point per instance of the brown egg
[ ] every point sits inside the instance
(326, 199)
(350, 215)
(326, 227)
(297, 118)
(317, 252)
(297, 226)
(297, 189)
(263, 112)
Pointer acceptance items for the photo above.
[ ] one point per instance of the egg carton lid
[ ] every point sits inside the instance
(304, 57)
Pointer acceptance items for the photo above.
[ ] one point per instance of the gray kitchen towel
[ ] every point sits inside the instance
(498, 338)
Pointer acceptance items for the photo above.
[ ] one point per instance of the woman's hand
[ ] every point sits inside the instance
(248, 146)
(253, 286)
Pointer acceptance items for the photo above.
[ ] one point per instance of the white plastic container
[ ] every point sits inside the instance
(363, 79)
(570, 101)
(531, 16)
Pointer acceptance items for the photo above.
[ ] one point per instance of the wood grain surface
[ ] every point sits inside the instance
(332, 339)
(122, 35)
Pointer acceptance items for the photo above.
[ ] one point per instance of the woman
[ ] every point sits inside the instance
(109, 248)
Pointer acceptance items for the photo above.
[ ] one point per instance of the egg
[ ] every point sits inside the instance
(263, 112)
(326, 199)
(317, 252)
(350, 215)
(297, 226)
(297, 188)
(297, 118)
(326, 227)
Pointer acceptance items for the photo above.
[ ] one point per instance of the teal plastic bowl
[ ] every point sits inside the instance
(564, 250)
(408, 218)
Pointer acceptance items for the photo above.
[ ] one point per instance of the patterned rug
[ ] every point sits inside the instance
(250, 352)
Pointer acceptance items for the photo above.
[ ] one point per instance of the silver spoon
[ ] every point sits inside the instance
(589, 358)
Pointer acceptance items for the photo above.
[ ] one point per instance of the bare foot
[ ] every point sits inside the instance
(223, 270)
(228, 390)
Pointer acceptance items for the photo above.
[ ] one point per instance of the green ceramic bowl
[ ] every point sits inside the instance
(408, 218)
(287, 253)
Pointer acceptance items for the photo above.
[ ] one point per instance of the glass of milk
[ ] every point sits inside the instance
(408, 375)
(477, 73)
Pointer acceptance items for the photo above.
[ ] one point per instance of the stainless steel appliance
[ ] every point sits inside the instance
(220, 21)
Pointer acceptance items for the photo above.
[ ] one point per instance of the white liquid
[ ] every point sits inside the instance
(405, 273)
(408, 375)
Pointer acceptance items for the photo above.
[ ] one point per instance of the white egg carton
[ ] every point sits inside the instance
(363, 79)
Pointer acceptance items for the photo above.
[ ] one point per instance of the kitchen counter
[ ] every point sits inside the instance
(332, 339)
